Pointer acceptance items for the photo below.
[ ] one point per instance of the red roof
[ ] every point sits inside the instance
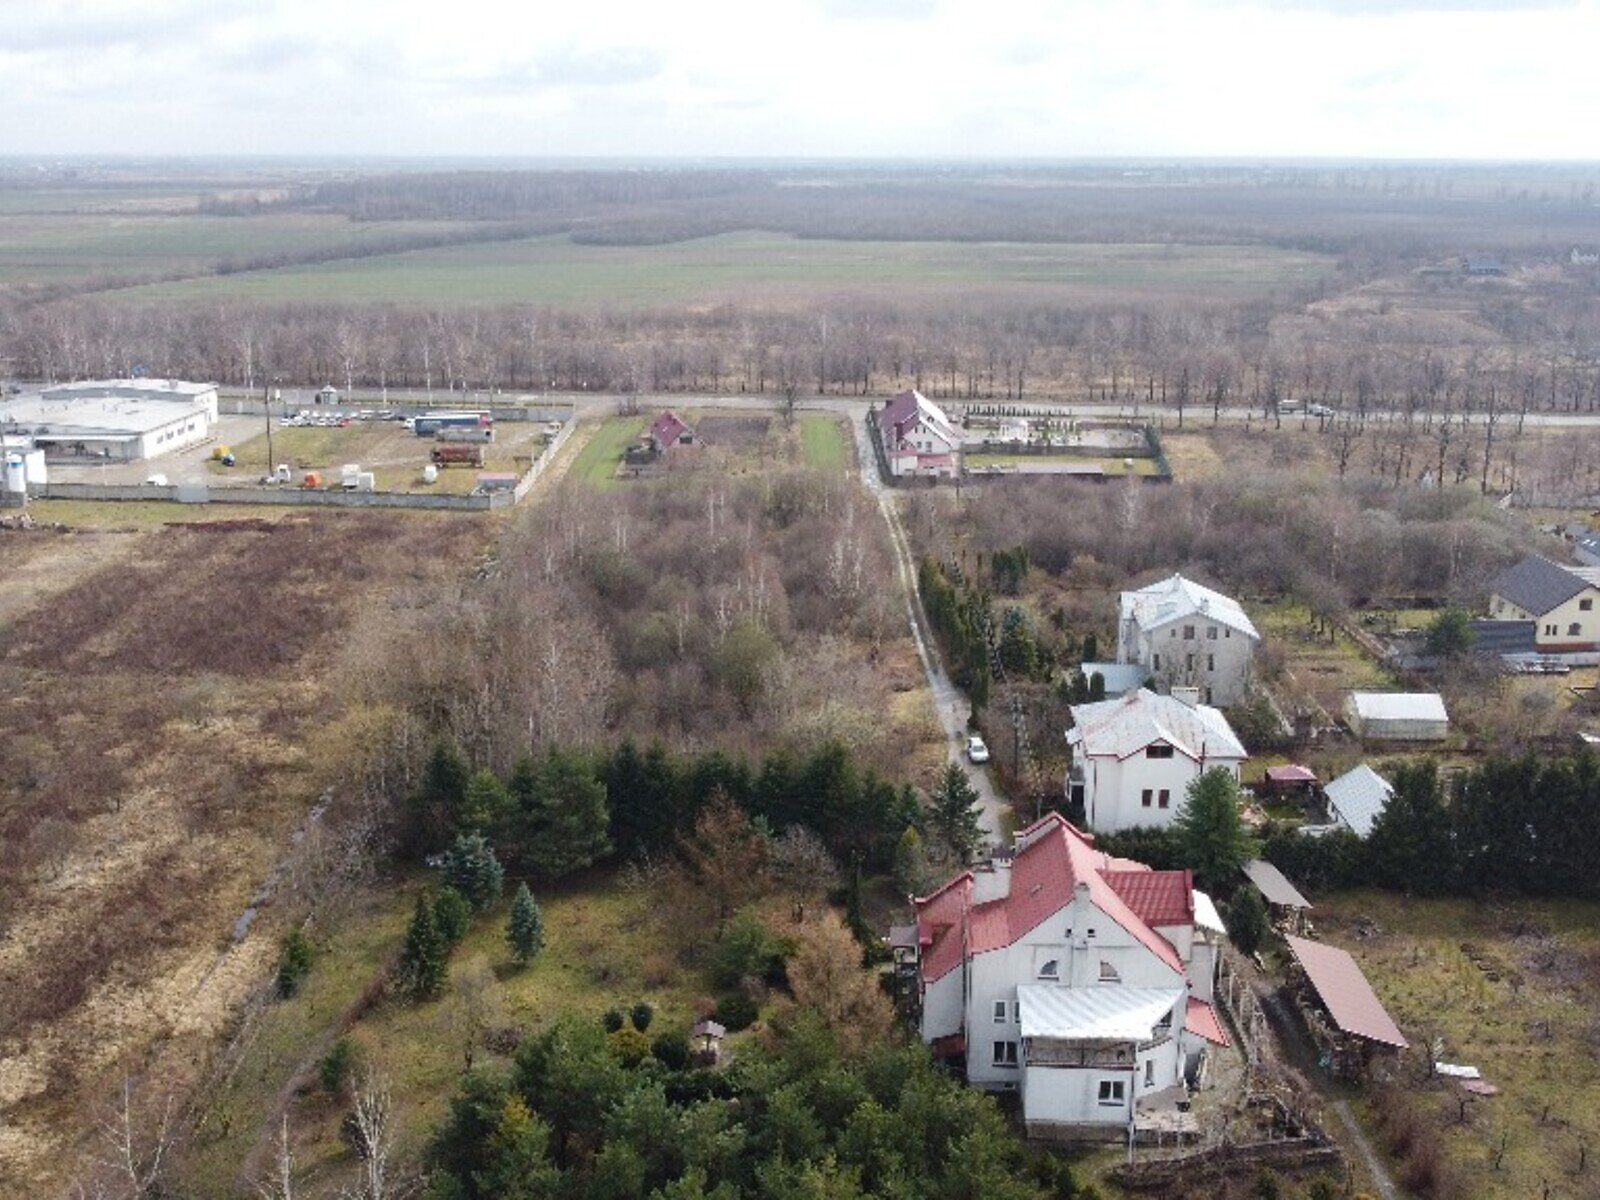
(1202, 1021)
(1345, 992)
(668, 428)
(1053, 858)
(1156, 897)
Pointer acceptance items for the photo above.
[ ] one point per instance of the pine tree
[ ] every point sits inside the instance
(954, 814)
(525, 929)
(1247, 920)
(472, 869)
(438, 800)
(452, 915)
(1213, 839)
(423, 964)
(911, 870)
(566, 826)
(484, 802)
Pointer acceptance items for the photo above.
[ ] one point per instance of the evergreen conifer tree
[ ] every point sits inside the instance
(954, 815)
(525, 929)
(423, 963)
(1213, 840)
(472, 869)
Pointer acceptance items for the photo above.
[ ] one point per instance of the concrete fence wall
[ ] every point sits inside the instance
(244, 406)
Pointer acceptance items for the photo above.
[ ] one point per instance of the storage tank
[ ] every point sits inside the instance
(16, 474)
(430, 474)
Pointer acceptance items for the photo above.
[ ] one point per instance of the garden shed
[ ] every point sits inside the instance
(1398, 716)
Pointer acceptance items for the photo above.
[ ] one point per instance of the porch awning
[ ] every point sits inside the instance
(1108, 1013)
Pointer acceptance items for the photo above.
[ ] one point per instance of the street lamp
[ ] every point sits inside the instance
(266, 403)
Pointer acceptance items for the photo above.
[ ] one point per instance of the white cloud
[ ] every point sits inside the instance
(1423, 78)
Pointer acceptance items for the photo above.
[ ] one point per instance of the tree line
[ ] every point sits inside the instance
(1521, 825)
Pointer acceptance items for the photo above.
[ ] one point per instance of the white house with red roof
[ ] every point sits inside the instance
(1133, 758)
(918, 438)
(1080, 980)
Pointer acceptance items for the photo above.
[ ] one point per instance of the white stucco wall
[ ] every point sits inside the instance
(1113, 789)
(943, 1006)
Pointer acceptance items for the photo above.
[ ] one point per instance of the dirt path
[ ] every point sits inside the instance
(1358, 1138)
(949, 702)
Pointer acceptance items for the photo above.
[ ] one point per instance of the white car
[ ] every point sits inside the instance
(1320, 410)
(976, 751)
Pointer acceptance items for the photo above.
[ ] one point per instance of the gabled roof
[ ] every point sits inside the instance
(1156, 897)
(1123, 727)
(1096, 1014)
(1176, 598)
(910, 409)
(1292, 773)
(1358, 796)
(1053, 857)
(1345, 992)
(1537, 585)
(667, 428)
(1273, 885)
(1399, 706)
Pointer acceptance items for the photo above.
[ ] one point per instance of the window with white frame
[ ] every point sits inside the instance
(1050, 969)
(999, 1012)
(1005, 1054)
(1109, 973)
(1113, 1091)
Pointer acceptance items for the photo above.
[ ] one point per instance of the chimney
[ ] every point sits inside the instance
(1187, 696)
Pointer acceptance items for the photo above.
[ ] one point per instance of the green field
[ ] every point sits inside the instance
(597, 462)
(557, 272)
(62, 247)
(824, 442)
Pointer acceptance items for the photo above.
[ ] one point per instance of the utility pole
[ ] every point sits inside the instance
(267, 398)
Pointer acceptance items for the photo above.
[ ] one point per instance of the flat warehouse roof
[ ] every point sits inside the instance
(94, 418)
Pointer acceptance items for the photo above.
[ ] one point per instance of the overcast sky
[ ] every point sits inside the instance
(925, 78)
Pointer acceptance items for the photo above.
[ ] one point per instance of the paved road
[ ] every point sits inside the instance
(949, 702)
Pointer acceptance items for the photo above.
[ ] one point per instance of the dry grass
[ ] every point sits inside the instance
(163, 692)
(1509, 988)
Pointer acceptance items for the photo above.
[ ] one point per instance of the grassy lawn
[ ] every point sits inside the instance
(1316, 670)
(556, 271)
(596, 464)
(602, 950)
(824, 442)
(145, 514)
(1510, 988)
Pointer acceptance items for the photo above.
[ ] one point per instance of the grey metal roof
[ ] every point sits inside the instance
(1345, 992)
(1122, 727)
(1273, 885)
(1176, 598)
(1358, 796)
(1399, 706)
(1537, 585)
(1503, 637)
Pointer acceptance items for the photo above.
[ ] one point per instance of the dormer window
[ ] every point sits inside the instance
(1051, 969)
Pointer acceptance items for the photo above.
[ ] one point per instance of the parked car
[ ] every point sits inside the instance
(976, 750)
(1320, 410)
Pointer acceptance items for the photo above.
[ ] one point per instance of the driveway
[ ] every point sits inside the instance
(949, 702)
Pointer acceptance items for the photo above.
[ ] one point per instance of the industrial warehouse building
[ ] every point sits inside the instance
(119, 420)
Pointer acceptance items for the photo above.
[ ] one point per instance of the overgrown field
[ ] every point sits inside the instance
(1508, 987)
(176, 702)
(733, 443)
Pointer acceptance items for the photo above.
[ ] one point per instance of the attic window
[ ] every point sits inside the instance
(1158, 750)
(1051, 969)
(1108, 973)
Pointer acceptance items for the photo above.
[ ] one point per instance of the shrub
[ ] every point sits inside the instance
(452, 915)
(745, 949)
(671, 1050)
(629, 1045)
(736, 1011)
(294, 962)
(337, 1065)
(641, 1015)
(612, 1020)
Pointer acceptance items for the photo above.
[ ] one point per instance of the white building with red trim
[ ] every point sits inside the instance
(918, 438)
(1081, 981)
